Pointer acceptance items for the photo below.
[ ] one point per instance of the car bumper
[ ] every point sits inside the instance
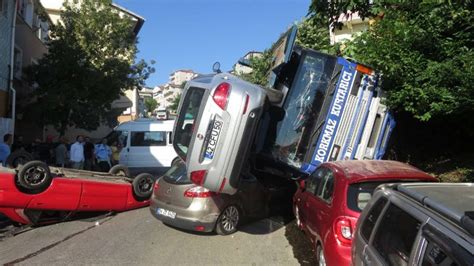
(337, 254)
(192, 218)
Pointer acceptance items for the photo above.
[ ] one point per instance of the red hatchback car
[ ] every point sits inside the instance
(328, 203)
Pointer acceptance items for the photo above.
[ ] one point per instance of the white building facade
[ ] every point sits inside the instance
(165, 94)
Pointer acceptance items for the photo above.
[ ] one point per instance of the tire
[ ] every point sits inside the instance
(143, 186)
(228, 221)
(18, 158)
(175, 161)
(119, 170)
(320, 258)
(35, 176)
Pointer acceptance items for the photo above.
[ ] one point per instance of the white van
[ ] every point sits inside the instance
(146, 145)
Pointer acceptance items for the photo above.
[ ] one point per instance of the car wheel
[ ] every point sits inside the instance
(228, 220)
(143, 186)
(18, 158)
(320, 256)
(119, 170)
(298, 218)
(34, 176)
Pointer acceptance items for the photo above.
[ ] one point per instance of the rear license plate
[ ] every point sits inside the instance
(166, 213)
(213, 138)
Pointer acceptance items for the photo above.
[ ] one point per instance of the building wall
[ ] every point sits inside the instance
(30, 45)
(53, 8)
(179, 77)
(353, 25)
(6, 20)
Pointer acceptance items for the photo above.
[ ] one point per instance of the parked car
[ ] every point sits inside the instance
(180, 203)
(417, 224)
(37, 194)
(328, 203)
(146, 145)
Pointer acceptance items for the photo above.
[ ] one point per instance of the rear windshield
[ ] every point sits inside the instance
(359, 194)
(177, 174)
(185, 124)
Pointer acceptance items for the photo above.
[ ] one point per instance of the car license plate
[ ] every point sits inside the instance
(213, 138)
(166, 213)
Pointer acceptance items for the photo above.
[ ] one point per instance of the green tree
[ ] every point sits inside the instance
(260, 69)
(423, 48)
(173, 107)
(150, 104)
(314, 34)
(89, 64)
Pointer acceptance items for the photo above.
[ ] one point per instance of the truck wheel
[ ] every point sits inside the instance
(143, 186)
(119, 170)
(35, 176)
(18, 158)
(228, 220)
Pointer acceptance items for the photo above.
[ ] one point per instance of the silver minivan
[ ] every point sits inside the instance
(147, 145)
(417, 224)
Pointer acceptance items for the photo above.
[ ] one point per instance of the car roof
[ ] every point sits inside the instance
(452, 200)
(147, 125)
(361, 170)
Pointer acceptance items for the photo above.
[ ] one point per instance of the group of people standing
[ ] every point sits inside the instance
(85, 155)
(82, 154)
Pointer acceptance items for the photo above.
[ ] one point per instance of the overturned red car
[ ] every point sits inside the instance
(38, 194)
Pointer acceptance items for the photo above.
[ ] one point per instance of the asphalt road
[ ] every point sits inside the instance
(135, 237)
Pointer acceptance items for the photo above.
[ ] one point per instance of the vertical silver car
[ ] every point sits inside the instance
(179, 202)
(218, 116)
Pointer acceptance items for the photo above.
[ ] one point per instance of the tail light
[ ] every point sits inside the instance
(198, 192)
(156, 186)
(344, 228)
(197, 177)
(221, 95)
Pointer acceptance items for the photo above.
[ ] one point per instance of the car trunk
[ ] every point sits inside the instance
(173, 194)
(172, 187)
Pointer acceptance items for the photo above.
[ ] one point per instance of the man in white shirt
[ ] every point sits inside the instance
(77, 153)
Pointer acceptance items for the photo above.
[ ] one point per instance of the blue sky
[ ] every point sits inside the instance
(193, 34)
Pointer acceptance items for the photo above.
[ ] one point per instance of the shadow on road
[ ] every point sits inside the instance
(302, 246)
(196, 233)
(262, 227)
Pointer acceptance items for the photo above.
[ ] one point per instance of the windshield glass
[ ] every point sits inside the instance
(301, 109)
(185, 124)
(177, 174)
(359, 194)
